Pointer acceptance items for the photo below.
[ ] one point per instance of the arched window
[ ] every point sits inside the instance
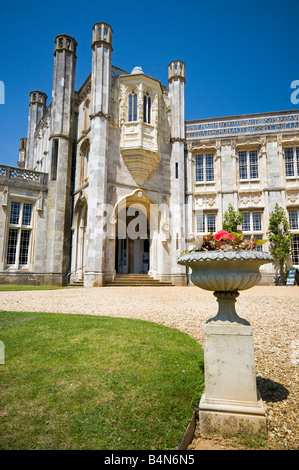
(84, 152)
(86, 114)
(133, 106)
(147, 108)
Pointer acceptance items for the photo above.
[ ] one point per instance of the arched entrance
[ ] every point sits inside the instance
(135, 228)
(132, 253)
(80, 221)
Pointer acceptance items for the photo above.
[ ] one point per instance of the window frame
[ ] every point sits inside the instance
(205, 222)
(253, 232)
(20, 227)
(205, 168)
(133, 106)
(294, 163)
(84, 162)
(249, 166)
(296, 211)
(295, 239)
(147, 108)
(295, 249)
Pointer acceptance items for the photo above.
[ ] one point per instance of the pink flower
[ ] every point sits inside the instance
(222, 234)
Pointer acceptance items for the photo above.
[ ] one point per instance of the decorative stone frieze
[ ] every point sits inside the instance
(249, 199)
(207, 201)
(292, 197)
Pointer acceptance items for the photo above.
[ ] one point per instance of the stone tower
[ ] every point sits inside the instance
(61, 148)
(176, 80)
(37, 107)
(99, 123)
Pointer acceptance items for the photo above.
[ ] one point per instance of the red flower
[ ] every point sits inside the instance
(222, 234)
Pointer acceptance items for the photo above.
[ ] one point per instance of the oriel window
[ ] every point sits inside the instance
(147, 108)
(133, 106)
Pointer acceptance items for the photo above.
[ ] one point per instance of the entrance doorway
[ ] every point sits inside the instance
(132, 254)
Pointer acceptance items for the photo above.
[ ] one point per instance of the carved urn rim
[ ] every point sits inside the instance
(219, 255)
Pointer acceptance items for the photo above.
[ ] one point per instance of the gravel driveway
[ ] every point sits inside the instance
(272, 312)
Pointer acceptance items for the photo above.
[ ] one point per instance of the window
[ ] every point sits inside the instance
(292, 161)
(147, 108)
(86, 114)
(258, 237)
(252, 223)
(293, 219)
(85, 148)
(204, 168)
(19, 234)
(248, 165)
(133, 106)
(55, 146)
(206, 223)
(294, 225)
(295, 248)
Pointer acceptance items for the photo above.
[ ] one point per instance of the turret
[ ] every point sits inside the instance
(101, 69)
(37, 108)
(176, 80)
(22, 152)
(63, 85)
(61, 147)
(97, 166)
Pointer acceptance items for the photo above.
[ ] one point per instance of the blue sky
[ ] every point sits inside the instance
(240, 57)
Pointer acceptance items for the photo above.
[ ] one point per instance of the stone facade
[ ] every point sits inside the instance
(112, 179)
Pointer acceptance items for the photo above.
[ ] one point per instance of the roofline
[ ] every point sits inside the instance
(243, 116)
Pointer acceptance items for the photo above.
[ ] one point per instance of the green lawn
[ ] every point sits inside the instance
(86, 382)
(4, 287)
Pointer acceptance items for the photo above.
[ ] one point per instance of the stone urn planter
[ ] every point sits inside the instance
(231, 402)
(226, 273)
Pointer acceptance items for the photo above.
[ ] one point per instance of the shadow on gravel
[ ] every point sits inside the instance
(271, 391)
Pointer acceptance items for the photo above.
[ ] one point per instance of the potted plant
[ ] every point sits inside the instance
(225, 263)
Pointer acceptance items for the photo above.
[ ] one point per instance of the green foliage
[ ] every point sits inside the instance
(280, 238)
(225, 241)
(232, 219)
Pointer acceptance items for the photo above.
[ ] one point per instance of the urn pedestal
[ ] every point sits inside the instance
(231, 402)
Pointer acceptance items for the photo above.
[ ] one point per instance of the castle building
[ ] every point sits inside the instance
(111, 179)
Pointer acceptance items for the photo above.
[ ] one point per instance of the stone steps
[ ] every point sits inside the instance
(127, 280)
(77, 284)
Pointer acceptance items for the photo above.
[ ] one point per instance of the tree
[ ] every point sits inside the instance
(232, 219)
(280, 238)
